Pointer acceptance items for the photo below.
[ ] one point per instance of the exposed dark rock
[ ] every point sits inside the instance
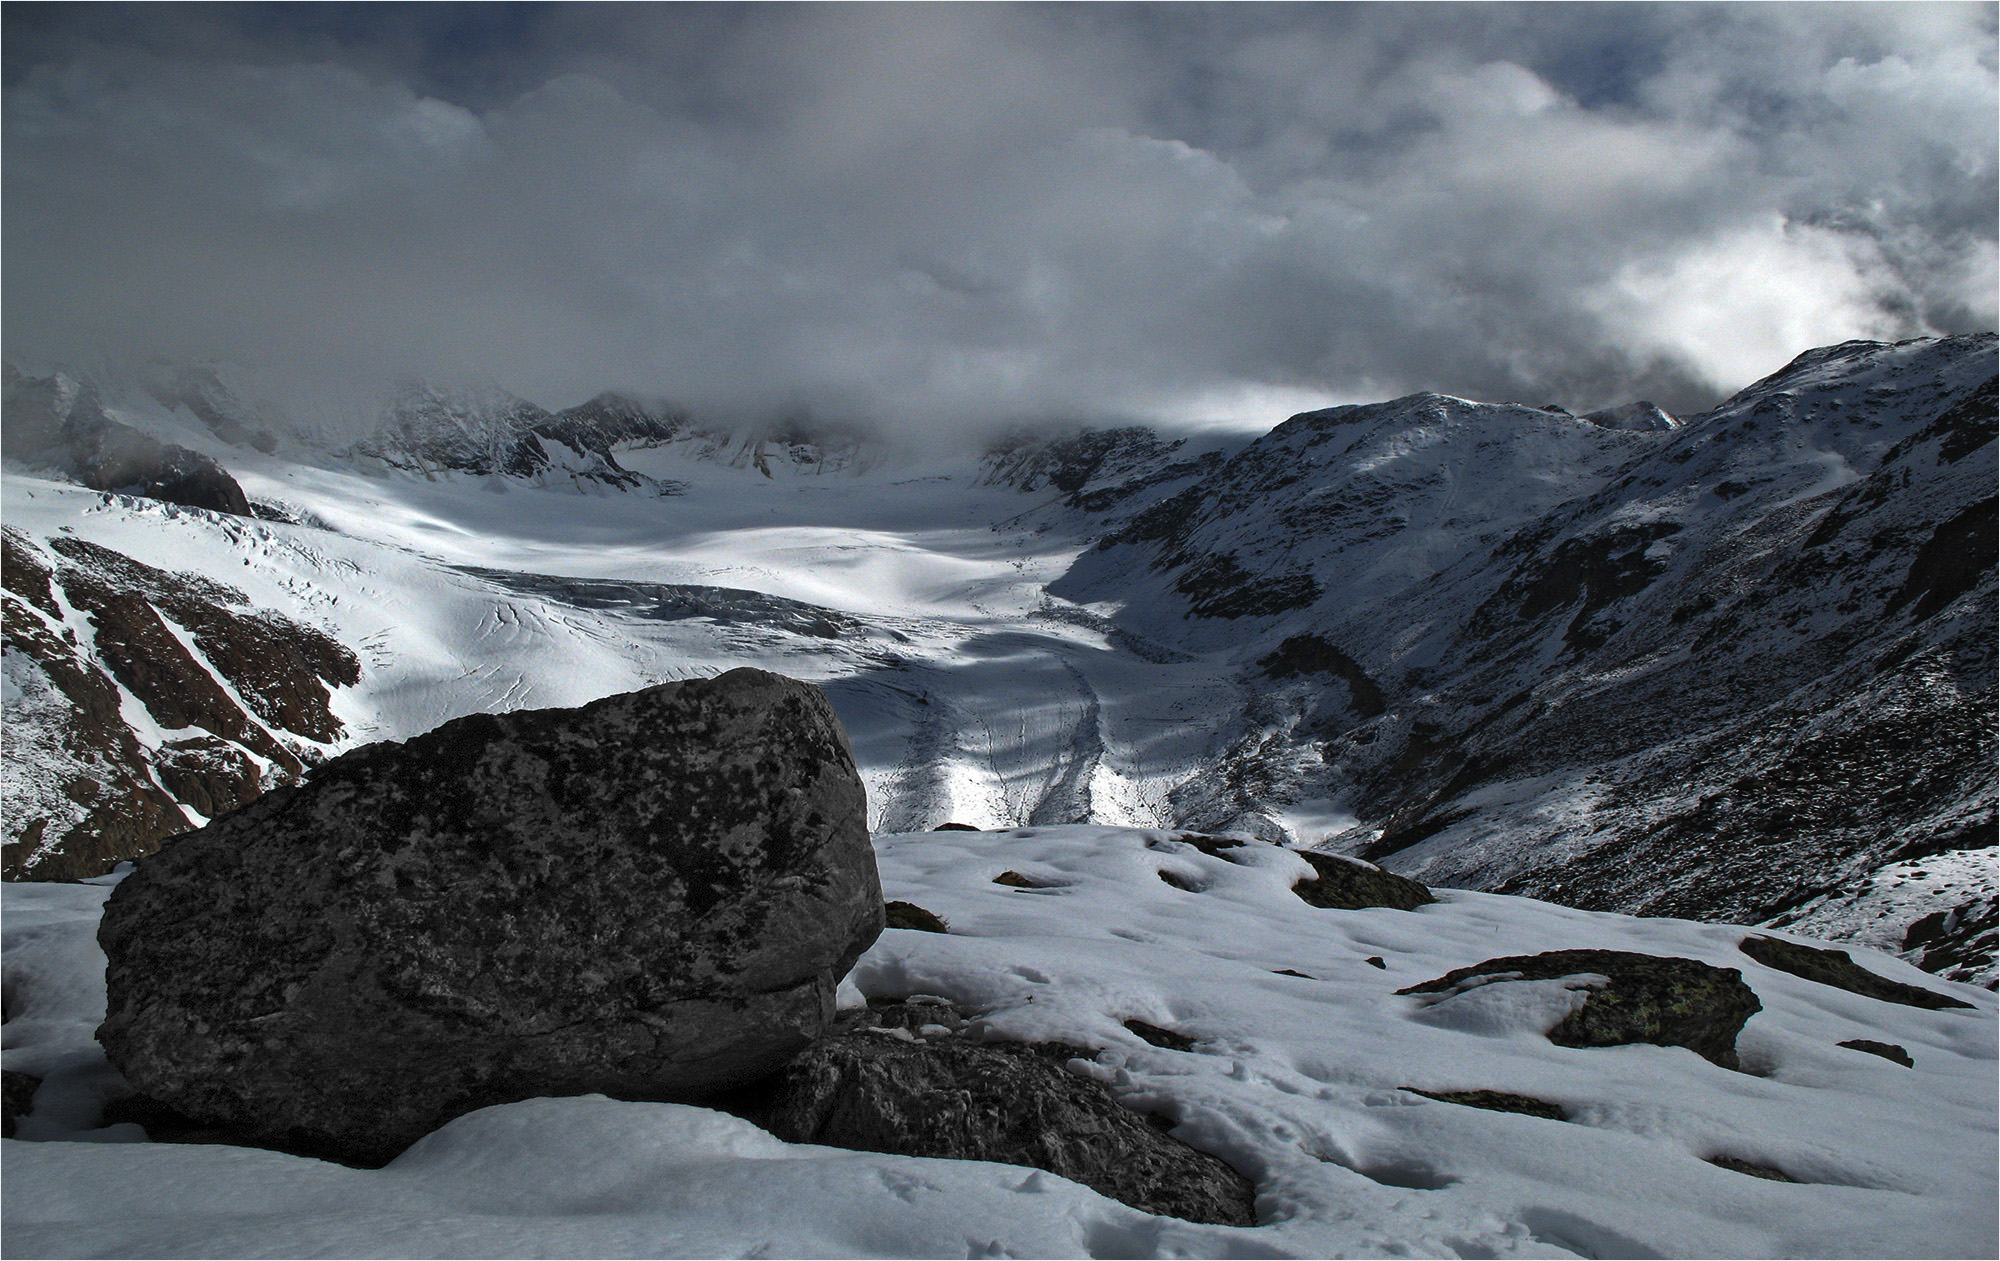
(1213, 846)
(105, 807)
(1375, 961)
(1887, 1050)
(17, 1097)
(947, 1096)
(1178, 881)
(280, 667)
(1015, 880)
(1838, 969)
(24, 573)
(154, 666)
(1647, 998)
(1160, 1037)
(954, 827)
(1310, 654)
(211, 775)
(1290, 972)
(492, 432)
(910, 915)
(651, 897)
(1217, 586)
(1348, 884)
(1496, 1101)
(164, 1125)
(1951, 562)
(1069, 462)
(1589, 573)
(1399, 834)
(91, 800)
(1737, 1165)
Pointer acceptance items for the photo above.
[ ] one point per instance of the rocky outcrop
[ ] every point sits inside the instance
(1643, 998)
(907, 1079)
(57, 424)
(1838, 969)
(650, 897)
(85, 623)
(489, 432)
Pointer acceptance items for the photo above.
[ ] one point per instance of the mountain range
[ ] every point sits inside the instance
(1730, 666)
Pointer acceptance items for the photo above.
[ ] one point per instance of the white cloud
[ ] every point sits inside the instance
(1739, 306)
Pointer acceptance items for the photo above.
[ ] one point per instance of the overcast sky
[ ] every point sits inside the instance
(933, 216)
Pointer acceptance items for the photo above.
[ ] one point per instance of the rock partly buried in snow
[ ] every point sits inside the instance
(911, 916)
(1838, 969)
(906, 1079)
(17, 1098)
(1497, 1101)
(1887, 1050)
(651, 897)
(1644, 998)
(1349, 884)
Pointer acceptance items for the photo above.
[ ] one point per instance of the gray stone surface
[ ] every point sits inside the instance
(907, 1079)
(1350, 884)
(652, 896)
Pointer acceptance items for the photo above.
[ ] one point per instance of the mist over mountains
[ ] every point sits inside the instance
(1736, 664)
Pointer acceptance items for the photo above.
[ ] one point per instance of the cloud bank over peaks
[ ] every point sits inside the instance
(941, 218)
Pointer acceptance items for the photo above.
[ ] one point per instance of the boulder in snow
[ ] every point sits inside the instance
(906, 1079)
(1643, 998)
(1349, 884)
(1838, 969)
(651, 897)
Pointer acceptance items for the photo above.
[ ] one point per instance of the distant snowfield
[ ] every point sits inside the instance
(964, 697)
(1295, 1080)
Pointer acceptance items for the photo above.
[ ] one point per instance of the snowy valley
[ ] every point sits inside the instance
(1622, 681)
(1736, 666)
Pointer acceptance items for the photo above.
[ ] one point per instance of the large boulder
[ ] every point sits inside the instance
(652, 897)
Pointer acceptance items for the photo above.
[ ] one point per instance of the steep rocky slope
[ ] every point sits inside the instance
(1727, 669)
(233, 700)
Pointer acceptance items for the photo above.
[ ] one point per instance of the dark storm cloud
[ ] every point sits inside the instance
(929, 216)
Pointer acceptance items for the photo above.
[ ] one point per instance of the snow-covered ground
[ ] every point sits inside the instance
(1295, 1080)
(968, 692)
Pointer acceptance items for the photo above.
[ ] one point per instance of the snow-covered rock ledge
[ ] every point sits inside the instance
(1300, 1074)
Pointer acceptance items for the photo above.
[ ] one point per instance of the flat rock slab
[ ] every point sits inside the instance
(1645, 998)
(906, 1079)
(1838, 969)
(651, 897)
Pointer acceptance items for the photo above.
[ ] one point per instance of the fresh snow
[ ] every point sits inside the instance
(1294, 1080)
